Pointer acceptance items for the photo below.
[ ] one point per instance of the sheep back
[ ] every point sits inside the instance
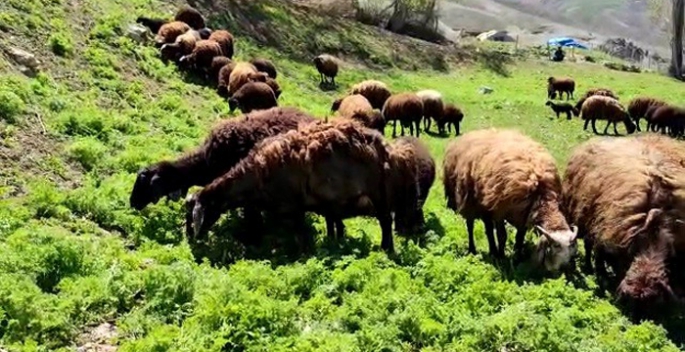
(327, 65)
(241, 74)
(218, 62)
(225, 40)
(599, 107)
(433, 105)
(191, 16)
(405, 107)
(266, 66)
(168, 32)
(376, 92)
(253, 96)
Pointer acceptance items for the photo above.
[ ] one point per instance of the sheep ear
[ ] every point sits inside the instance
(574, 229)
(198, 218)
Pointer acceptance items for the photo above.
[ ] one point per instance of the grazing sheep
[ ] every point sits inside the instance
(598, 107)
(594, 91)
(225, 40)
(327, 65)
(376, 92)
(168, 32)
(559, 108)
(183, 45)
(202, 55)
(335, 169)
(154, 24)
(227, 143)
(433, 107)
(626, 196)
(451, 116)
(218, 62)
(358, 108)
(190, 16)
(412, 176)
(242, 73)
(253, 96)
(266, 66)
(274, 86)
(502, 175)
(223, 79)
(405, 107)
(561, 85)
(668, 118)
(637, 108)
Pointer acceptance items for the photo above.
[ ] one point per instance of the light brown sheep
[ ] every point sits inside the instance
(376, 92)
(637, 108)
(327, 65)
(407, 108)
(183, 45)
(201, 58)
(191, 16)
(598, 107)
(225, 40)
(224, 78)
(594, 91)
(168, 32)
(562, 85)
(502, 175)
(242, 73)
(253, 96)
(433, 107)
(266, 66)
(358, 108)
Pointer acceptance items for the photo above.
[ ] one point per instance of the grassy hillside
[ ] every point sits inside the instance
(74, 255)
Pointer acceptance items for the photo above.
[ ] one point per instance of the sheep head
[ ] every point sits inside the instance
(336, 104)
(550, 79)
(204, 33)
(548, 103)
(556, 249)
(645, 285)
(233, 104)
(154, 183)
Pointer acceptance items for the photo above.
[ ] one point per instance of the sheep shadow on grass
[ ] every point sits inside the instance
(328, 86)
(437, 134)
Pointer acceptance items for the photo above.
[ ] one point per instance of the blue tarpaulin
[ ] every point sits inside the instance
(566, 42)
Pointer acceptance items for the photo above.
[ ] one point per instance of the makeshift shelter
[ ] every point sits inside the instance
(564, 42)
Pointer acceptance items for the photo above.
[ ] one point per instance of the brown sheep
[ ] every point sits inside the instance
(376, 92)
(327, 65)
(433, 107)
(598, 107)
(594, 91)
(626, 195)
(266, 66)
(335, 169)
(218, 62)
(637, 108)
(560, 108)
(274, 86)
(154, 24)
(358, 108)
(224, 78)
(242, 73)
(201, 58)
(183, 45)
(667, 118)
(502, 175)
(190, 16)
(405, 107)
(451, 116)
(562, 85)
(225, 40)
(168, 32)
(253, 96)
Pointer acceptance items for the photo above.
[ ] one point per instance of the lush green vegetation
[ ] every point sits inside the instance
(74, 254)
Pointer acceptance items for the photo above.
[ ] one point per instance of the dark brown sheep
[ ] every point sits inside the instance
(183, 45)
(598, 107)
(433, 107)
(202, 55)
(190, 16)
(218, 62)
(168, 32)
(227, 143)
(560, 108)
(594, 91)
(274, 86)
(253, 96)
(407, 108)
(376, 92)
(637, 108)
(327, 65)
(627, 197)
(224, 78)
(154, 24)
(335, 169)
(225, 40)
(451, 116)
(562, 85)
(669, 119)
(266, 66)
(502, 175)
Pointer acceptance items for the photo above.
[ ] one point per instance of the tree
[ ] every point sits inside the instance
(677, 17)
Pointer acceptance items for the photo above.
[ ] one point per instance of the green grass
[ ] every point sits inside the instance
(74, 254)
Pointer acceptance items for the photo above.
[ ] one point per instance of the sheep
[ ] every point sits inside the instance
(225, 40)
(202, 55)
(598, 107)
(451, 116)
(253, 96)
(502, 175)
(594, 91)
(218, 62)
(274, 86)
(335, 169)
(223, 79)
(266, 66)
(637, 108)
(412, 176)
(626, 196)
(376, 92)
(668, 118)
(405, 107)
(190, 16)
(358, 108)
(226, 144)
(154, 24)
(327, 65)
(242, 73)
(168, 32)
(183, 45)
(561, 85)
(559, 108)
(433, 107)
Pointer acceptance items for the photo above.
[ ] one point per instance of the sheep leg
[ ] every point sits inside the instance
(568, 115)
(557, 112)
(457, 129)
(385, 219)
(417, 125)
(587, 121)
(330, 228)
(501, 237)
(490, 233)
(518, 245)
(637, 124)
(606, 129)
(600, 270)
(340, 229)
(615, 130)
(469, 228)
(594, 128)
(589, 244)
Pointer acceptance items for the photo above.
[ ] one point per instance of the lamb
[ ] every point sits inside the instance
(637, 108)
(154, 24)
(243, 73)
(225, 40)
(168, 32)
(626, 195)
(594, 91)
(405, 107)
(376, 92)
(190, 16)
(562, 108)
(266, 66)
(202, 55)
(183, 45)
(274, 86)
(598, 107)
(502, 175)
(228, 142)
(668, 118)
(451, 116)
(253, 96)
(433, 107)
(335, 169)
(218, 62)
(358, 108)
(561, 85)
(327, 65)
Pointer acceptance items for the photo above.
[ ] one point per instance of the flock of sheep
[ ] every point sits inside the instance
(624, 197)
